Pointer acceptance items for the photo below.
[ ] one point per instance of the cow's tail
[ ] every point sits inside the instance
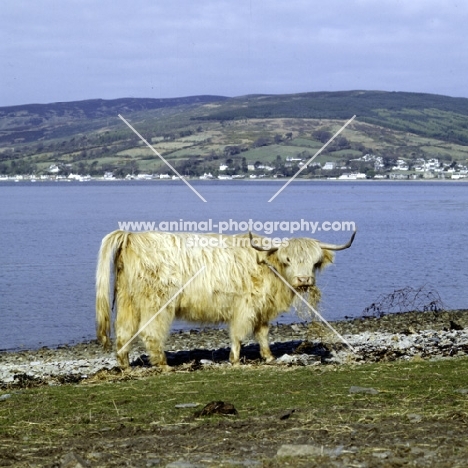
(111, 246)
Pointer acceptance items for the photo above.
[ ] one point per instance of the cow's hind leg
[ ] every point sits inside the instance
(126, 325)
(261, 335)
(124, 332)
(122, 353)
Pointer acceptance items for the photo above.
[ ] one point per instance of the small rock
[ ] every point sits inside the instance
(71, 460)
(154, 462)
(306, 359)
(244, 462)
(382, 455)
(290, 450)
(463, 391)
(5, 396)
(285, 359)
(368, 390)
(287, 414)
(299, 450)
(414, 418)
(206, 362)
(455, 326)
(422, 452)
(404, 343)
(181, 464)
(216, 407)
(187, 405)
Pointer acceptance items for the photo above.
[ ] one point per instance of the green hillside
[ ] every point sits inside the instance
(435, 116)
(199, 133)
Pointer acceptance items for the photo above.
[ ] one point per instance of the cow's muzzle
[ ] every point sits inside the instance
(303, 282)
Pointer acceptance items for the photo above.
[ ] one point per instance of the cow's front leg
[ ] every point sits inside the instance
(239, 328)
(261, 335)
(234, 355)
(122, 353)
(157, 355)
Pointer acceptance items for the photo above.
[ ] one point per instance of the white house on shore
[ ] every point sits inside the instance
(329, 166)
(401, 165)
(354, 176)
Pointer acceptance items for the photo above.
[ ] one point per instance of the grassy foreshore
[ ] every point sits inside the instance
(420, 414)
(403, 412)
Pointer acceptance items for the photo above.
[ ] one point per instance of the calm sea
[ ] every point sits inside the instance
(409, 234)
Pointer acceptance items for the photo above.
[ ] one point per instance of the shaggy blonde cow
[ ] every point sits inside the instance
(236, 285)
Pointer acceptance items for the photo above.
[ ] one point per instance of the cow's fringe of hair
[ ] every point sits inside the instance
(312, 297)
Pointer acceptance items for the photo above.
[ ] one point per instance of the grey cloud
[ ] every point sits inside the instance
(53, 50)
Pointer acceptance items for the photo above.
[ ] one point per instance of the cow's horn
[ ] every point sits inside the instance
(338, 247)
(256, 247)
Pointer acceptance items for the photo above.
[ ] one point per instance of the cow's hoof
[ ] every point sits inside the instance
(123, 365)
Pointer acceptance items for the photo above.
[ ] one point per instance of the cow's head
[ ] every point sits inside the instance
(299, 259)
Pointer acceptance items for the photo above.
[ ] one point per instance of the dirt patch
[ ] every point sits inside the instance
(229, 442)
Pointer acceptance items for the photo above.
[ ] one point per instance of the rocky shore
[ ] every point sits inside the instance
(415, 335)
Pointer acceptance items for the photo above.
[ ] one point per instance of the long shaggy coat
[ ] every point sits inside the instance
(234, 285)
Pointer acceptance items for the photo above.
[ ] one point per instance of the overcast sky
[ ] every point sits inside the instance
(66, 50)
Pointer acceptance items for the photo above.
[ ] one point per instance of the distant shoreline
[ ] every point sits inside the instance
(262, 180)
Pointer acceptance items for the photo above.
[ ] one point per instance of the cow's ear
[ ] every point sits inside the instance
(327, 258)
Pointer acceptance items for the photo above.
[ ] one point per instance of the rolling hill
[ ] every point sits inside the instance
(198, 133)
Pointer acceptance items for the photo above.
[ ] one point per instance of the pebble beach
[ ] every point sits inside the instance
(406, 336)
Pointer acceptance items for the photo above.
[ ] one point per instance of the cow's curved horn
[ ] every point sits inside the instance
(260, 249)
(338, 247)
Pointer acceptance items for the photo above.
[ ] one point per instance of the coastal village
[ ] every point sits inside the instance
(418, 169)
